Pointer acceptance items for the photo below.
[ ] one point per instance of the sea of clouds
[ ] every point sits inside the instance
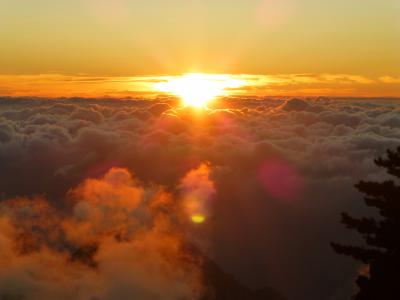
(273, 177)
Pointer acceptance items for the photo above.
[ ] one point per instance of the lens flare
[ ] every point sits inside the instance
(280, 180)
(198, 89)
(198, 219)
(197, 190)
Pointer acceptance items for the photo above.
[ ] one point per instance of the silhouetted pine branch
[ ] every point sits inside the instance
(381, 253)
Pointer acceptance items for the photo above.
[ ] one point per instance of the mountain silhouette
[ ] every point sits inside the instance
(223, 286)
(220, 285)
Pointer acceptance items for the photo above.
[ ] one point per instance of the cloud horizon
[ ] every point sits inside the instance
(316, 149)
(288, 85)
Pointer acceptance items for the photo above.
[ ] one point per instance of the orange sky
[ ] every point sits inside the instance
(112, 42)
(343, 85)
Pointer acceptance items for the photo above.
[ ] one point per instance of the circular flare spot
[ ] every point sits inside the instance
(198, 219)
(280, 180)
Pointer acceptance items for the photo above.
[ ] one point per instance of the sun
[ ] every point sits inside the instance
(197, 89)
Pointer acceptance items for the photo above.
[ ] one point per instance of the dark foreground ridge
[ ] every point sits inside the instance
(220, 285)
(223, 286)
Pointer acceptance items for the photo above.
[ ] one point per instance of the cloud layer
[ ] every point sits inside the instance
(115, 240)
(280, 171)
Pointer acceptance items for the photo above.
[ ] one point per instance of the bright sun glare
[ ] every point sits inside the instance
(198, 89)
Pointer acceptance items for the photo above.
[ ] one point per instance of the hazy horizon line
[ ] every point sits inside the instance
(53, 85)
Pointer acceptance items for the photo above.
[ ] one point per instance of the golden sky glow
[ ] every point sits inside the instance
(199, 89)
(52, 85)
(122, 39)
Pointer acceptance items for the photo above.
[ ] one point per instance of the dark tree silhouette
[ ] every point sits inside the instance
(381, 255)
